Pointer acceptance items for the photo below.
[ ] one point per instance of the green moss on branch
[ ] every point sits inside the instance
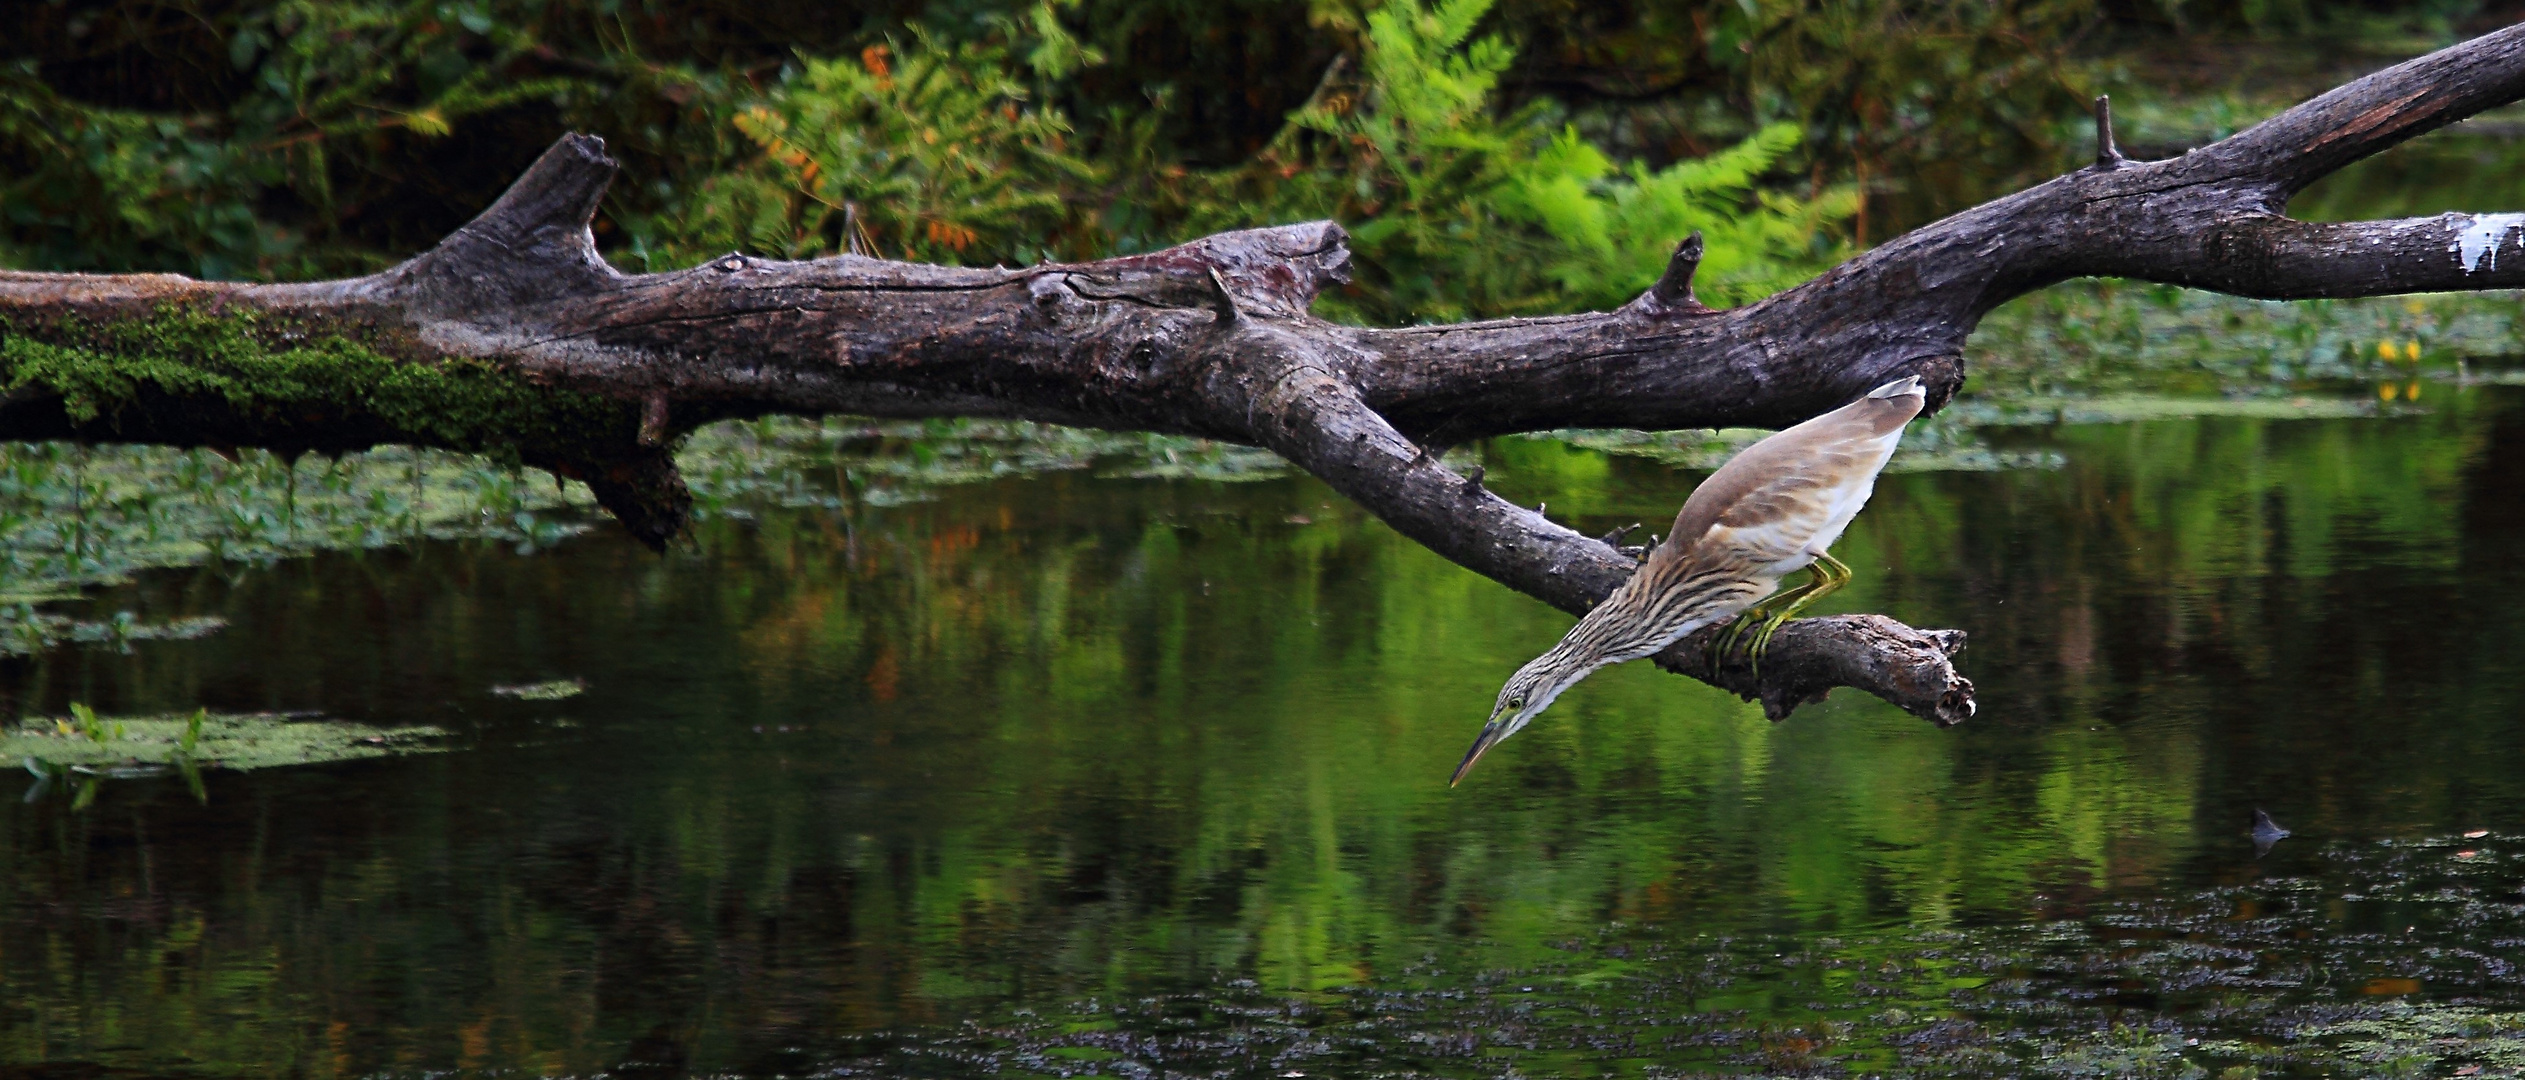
(301, 381)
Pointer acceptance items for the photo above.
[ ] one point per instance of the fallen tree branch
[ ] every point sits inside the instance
(513, 337)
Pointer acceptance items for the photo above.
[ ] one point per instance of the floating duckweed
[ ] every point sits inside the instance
(837, 462)
(237, 741)
(2134, 408)
(553, 690)
(1930, 446)
(73, 516)
(2114, 337)
(2416, 1039)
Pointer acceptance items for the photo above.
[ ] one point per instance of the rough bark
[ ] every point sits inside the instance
(1213, 338)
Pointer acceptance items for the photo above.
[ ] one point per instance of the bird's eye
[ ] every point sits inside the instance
(1516, 703)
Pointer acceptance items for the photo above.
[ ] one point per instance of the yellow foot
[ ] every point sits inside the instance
(1828, 575)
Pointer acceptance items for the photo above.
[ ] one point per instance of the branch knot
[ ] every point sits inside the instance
(2108, 155)
(531, 246)
(1672, 294)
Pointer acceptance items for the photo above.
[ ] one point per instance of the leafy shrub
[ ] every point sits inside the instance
(944, 152)
(1459, 211)
(91, 186)
(922, 146)
(933, 156)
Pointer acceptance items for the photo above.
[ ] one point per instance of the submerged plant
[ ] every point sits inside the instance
(87, 723)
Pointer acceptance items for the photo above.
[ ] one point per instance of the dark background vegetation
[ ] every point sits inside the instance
(305, 138)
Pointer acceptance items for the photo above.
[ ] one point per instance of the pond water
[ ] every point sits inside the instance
(1066, 774)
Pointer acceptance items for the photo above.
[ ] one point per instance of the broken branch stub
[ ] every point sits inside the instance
(513, 337)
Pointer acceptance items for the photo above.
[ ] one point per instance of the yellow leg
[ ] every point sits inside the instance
(1725, 641)
(1830, 574)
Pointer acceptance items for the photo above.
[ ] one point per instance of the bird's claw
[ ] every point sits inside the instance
(1758, 620)
(1724, 642)
(1826, 574)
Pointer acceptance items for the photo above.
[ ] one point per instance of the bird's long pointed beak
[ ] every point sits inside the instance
(1489, 735)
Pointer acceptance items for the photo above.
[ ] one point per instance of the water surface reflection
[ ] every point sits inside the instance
(843, 776)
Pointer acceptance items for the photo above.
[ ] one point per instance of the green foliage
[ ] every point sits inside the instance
(116, 189)
(1925, 104)
(925, 145)
(942, 152)
(84, 721)
(1952, 101)
(303, 138)
(1614, 225)
(2347, 23)
(1459, 211)
(100, 187)
(932, 155)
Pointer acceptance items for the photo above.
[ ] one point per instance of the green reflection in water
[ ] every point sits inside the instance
(846, 774)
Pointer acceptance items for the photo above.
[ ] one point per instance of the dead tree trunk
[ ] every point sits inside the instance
(514, 337)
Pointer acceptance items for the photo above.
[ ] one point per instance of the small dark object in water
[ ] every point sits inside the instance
(2266, 832)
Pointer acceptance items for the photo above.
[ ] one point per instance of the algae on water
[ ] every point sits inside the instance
(2109, 337)
(838, 462)
(551, 690)
(2135, 408)
(1929, 446)
(74, 516)
(237, 741)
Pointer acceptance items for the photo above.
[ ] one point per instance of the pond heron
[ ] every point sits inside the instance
(1768, 513)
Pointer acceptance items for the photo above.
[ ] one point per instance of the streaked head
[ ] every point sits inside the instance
(1528, 693)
